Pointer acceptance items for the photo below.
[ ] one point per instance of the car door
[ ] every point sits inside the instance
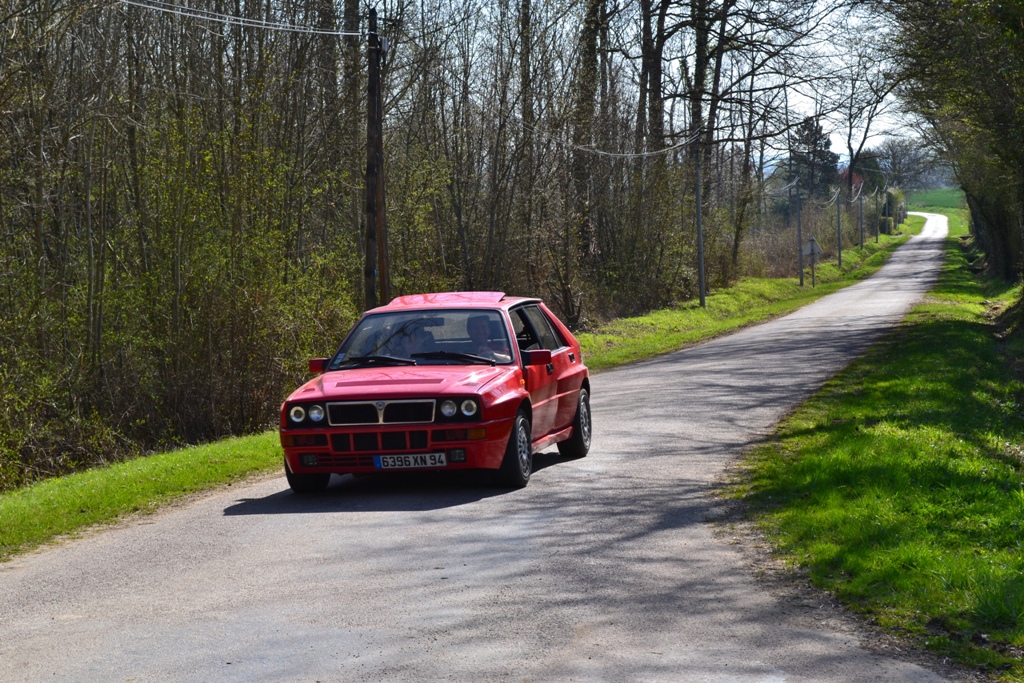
(541, 381)
(561, 379)
(569, 370)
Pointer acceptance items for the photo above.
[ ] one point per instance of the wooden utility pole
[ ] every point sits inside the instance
(876, 215)
(355, 161)
(701, 284)
(799, 235)
(861, 195)
(376, 244)
(839, 222)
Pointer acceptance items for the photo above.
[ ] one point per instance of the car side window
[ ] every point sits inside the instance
(546, 334)
(526, 340)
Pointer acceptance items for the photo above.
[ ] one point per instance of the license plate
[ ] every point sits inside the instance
(398, 462)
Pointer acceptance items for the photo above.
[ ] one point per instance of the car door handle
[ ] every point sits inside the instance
(572, 357)
(551, 368)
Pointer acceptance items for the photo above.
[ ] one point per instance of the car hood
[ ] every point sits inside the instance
(401, 382)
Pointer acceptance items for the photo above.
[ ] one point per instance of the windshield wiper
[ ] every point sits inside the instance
(373, 360)
(453, 355)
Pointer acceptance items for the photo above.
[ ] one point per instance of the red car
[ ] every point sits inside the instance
(461, 380)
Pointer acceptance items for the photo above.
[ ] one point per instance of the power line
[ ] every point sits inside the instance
(600, 152)
(232, 20)
(778, 192)
(860, 191)
(834, 197)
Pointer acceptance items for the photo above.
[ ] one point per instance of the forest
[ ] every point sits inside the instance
(183, 198)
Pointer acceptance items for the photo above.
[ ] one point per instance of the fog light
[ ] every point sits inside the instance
(308, 459)
(457, 455)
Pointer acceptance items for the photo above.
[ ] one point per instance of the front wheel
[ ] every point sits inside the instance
(517, 465)
(578, 445)
(306, 483)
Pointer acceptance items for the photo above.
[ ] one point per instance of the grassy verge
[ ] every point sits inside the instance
(900, 486)
(64, 505)
(56, 507)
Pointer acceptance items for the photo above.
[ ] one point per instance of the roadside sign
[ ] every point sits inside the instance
(812, 248)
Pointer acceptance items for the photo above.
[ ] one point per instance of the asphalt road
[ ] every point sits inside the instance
(609, 568)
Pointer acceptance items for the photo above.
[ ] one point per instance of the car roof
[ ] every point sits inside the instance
(455, 299)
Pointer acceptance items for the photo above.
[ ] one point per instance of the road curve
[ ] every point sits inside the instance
(603, 569)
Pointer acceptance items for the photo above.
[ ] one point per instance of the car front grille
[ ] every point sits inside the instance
(379, 442)
(353, 413)
(409, 412)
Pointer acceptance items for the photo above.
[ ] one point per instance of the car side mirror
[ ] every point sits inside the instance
(317, 365)
(537, 357)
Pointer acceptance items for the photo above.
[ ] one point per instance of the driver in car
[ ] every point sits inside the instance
(478, 327)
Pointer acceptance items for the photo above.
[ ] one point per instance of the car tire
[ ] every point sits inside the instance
(517, 465)
(578, 445)
(306, 483)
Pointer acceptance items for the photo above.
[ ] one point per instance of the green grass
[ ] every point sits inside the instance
(958, 218)
(900, 486)
(56, 507)
(949, 198)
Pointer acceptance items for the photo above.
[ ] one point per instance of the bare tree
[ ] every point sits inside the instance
(864, 86)
(905, 161)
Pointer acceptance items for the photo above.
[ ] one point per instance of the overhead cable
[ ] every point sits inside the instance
(229, 19)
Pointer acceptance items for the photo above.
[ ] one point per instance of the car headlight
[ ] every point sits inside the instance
(469, 407)
(316, 413)
(448, 408)
(297, 413)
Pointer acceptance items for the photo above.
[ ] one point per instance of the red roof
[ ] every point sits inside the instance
(448, 299)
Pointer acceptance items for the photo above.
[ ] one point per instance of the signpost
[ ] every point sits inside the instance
(813, 250)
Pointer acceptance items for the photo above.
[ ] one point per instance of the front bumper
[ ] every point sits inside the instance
(475, 445)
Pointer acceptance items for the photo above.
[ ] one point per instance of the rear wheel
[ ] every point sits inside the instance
(517, 465)
(578, 445)
(306, 483)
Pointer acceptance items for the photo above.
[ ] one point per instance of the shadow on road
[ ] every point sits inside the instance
(394, 492)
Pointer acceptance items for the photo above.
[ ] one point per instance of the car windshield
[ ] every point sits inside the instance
(459, 336)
